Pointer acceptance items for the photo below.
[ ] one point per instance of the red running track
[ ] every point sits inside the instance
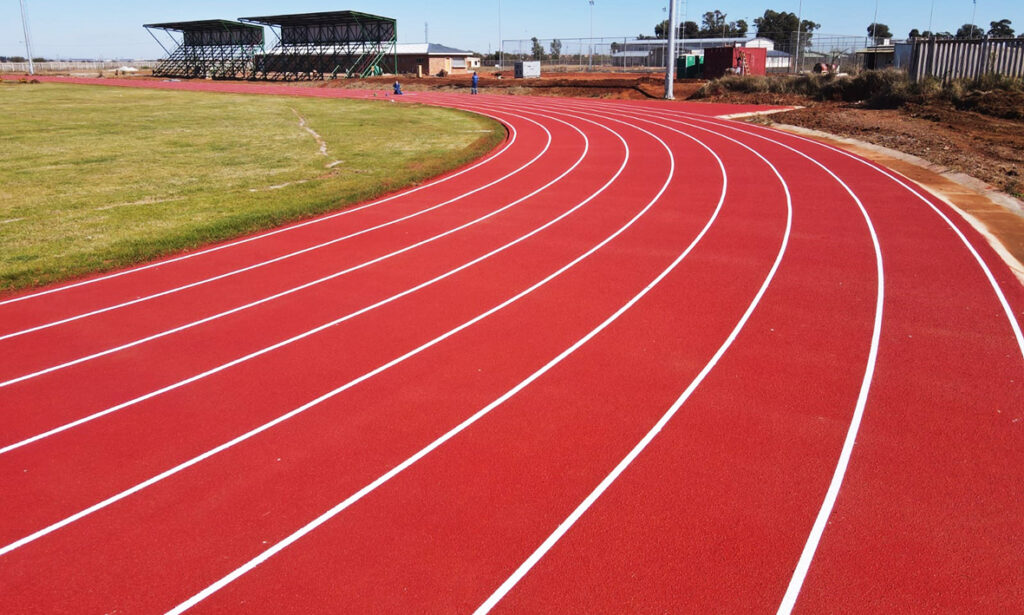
(637, 359)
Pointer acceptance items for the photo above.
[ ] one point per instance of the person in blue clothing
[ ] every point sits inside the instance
(476, 81)
(398, 88)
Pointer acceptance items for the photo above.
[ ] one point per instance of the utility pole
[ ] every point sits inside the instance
(670, 53)
(28, 43)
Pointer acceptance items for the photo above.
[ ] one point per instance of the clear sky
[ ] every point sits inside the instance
(107, 29)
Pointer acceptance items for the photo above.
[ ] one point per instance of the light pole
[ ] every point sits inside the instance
(799, 28)
(591, 67)
(670, 53)
(501, 44)
(28, 44)
(874, 25)
(974, 11)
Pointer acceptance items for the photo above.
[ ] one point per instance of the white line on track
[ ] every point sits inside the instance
(334, 511)
(1001, 297)
(283, 257)
(603, 486)
(278, 231)
(818, 528)
(828, 504)
(331, 394)
(269, 298)
(309, 332)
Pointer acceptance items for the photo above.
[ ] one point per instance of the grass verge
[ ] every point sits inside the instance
(95, 178)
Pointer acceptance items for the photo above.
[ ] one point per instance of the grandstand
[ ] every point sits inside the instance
(314, 46)
(212, 48)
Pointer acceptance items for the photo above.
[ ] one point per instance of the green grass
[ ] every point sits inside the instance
(96, 178)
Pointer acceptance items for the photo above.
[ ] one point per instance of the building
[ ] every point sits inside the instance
(778, 61)
(651, 52)
(434, 59)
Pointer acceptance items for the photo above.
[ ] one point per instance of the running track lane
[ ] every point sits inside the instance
(713, 515)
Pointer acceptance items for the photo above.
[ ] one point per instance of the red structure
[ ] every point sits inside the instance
(719, 61)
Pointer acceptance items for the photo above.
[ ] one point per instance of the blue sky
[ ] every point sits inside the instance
(105, 29)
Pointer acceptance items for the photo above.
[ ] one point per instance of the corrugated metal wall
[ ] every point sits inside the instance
(966, 59)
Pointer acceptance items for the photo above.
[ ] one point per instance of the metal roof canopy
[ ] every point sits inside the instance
(211, 48)
(331, 18)
(205, 25)
(318, 45)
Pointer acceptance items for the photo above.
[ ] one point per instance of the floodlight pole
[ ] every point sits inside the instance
(28, 44)
(970, 36)
(591, 66)
(670, 54)
(874, 26)
(501, 43)
(799, 32)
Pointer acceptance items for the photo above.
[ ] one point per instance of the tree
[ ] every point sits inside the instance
(714, 24)
(556, 49)
(915, 33)
(879, 31)
(969, 30)
(538, 50)
(687, 29)
(782, 28)
(1001, 29)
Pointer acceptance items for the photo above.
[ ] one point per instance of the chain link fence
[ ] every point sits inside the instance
(45, 67)
(787, 54)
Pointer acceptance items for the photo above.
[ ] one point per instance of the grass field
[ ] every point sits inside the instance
(95, 178)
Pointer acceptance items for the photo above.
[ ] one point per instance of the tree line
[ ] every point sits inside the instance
(782, 27)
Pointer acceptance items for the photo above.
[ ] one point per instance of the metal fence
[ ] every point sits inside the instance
(607, 54)
(790, 54)
(46, 67)
(966, 59)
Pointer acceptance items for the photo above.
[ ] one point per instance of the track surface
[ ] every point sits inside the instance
(636, 360)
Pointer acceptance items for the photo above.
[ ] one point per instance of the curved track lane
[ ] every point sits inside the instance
(637, 359)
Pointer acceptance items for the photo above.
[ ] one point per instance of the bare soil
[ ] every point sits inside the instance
(983, 146)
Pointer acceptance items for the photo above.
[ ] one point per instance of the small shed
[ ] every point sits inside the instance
(434, 59)
(527, 70)
(719, 61)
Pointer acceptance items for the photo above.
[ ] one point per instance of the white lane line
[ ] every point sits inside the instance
(283, 257)
(603, 486)
(264, 427)
(996, 288)
(337, 509)
(263, 300)
(818, 528)
(307, 333)
(828, 504)
(351, 210)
